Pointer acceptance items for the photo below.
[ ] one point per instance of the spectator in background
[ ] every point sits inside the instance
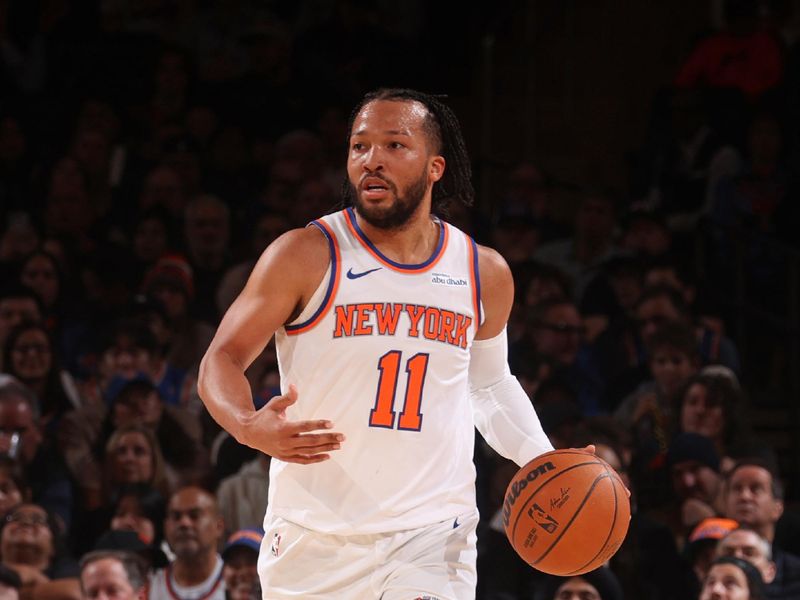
(30, 356)
(672, 273)
(172, 81)
(183, 339)
(18, 304)
(114, 575)
(32, 543)
(85, 432)
(620, 351)
(516, 239)
(781, 571)
(266, 229)
(16, 162)
(207, 234)
(662, 304)
(131, 351)
(645, 234)
(153, 237)
(581, 255)
(41, 272)
(141, 509)
(21, 437)
(611, 296)
(193, 528)
(164, 190)
(712, 405)
(600, 584)
(731, 578)
(754, 497)
(19, 238)
(557, 333)
(240, 556)
(688, 150)
(528, 196)
(133, 456)
(647, 412)
(701, 546)
(314, 198)
(91, 147)
(242, 497)
(69, 213)
(743, 56)
(696, 482)
(183, 155)
(536, 283)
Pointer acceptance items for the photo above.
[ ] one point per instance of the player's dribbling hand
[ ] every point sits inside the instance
(291, 441)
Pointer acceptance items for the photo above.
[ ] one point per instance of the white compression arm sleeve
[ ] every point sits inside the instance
(502, 410)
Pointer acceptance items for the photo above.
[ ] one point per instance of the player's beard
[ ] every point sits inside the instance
(400, 211)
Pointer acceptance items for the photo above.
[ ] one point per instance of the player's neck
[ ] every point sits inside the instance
(413, 243)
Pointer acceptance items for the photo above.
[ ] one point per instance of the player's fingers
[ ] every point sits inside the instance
(298, 427)
(311, 443)
(590, 449)
(311, 439)
(303, 459)
(318, 448)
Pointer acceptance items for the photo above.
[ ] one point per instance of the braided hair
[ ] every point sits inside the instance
(444, 132)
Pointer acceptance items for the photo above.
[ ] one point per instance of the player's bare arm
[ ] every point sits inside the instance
(497, 292)
(280, 285)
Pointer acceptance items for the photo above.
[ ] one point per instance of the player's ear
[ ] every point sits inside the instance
(436, 168)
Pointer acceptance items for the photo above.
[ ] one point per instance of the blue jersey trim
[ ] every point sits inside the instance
(419, 267)
(477, 275)
(331, 281)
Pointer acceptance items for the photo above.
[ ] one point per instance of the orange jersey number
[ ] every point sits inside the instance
(411, 416)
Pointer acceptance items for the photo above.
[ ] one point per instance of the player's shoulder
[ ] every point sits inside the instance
(296, 253)
(300, 244)
(492, 265)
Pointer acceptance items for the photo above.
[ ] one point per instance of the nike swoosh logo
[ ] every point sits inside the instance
(456, 523)
(351, 275)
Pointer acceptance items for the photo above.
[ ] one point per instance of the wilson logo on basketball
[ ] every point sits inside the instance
(518, 486)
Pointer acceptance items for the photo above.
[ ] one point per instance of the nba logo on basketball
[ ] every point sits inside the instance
(545, 521)
(276, 542)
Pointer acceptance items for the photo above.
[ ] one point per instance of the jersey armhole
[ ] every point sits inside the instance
(322, 298)
(475, 280)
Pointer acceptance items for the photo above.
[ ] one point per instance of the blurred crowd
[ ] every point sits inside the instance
(150, 151)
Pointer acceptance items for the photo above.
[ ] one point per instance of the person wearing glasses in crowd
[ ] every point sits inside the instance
(32, 544)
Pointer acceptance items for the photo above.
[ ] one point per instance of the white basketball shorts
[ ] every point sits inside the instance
(436, 562)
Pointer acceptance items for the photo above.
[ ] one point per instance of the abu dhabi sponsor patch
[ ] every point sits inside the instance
(448, 280)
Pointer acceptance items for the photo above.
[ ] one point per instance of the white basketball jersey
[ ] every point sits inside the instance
(382, 351)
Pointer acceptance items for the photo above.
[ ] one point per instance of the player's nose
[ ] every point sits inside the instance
(373, 160)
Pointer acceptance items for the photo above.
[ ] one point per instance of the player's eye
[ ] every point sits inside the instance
(357, 146)
(396, 145)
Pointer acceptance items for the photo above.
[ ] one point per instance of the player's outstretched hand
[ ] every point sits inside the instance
(290, 441)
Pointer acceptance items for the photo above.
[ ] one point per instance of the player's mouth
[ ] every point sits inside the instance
(374, 188)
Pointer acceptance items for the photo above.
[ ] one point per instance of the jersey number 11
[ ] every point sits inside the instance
(383, 414)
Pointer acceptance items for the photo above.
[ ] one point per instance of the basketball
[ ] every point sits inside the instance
(566, 512)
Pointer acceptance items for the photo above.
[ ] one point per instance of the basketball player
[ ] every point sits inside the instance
(390, 332)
